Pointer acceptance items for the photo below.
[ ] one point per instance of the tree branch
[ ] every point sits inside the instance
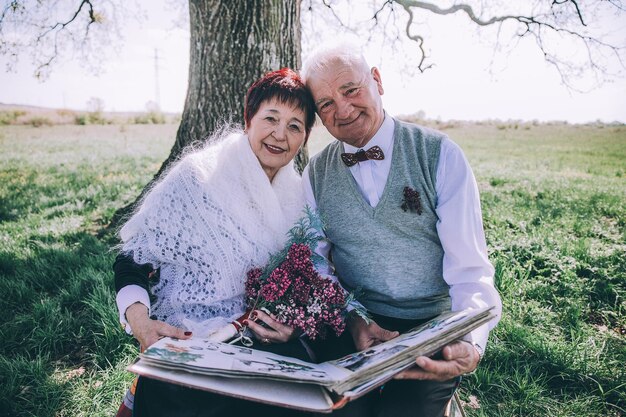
(536, 25)
(48, 30)
(419, 40)
(456, 8)
(61, 26)
(335, 15)
(580, 16)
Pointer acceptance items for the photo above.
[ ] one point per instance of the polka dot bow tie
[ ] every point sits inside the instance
(372, 153)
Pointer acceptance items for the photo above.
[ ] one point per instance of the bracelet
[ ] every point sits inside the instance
(480, 351)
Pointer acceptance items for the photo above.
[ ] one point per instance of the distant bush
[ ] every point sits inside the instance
(93, 118)
(39, 121)
(421, 119)
(451, 124)
(514, 124)
(80, 119)
(150, 118)
(418, 117)
(96, 118)
(9, 117)
(66, 112)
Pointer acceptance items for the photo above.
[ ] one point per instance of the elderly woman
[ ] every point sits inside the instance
(218, 212)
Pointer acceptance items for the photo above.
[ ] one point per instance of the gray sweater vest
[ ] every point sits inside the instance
(391, 256)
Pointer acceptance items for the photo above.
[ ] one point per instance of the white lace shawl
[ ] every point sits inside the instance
(214, 216)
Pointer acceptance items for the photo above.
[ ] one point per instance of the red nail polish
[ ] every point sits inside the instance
(187, 333)
(245, 322)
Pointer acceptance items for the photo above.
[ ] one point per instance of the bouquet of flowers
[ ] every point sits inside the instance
(290, 287)
(297, 295)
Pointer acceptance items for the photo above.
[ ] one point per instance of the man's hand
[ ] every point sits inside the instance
(148, 331)
(459, 358)
(275, 332)
(367, 335)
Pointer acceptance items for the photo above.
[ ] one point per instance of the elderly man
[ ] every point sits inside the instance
(404, 225)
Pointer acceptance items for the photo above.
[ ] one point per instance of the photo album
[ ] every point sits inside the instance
(265, 377)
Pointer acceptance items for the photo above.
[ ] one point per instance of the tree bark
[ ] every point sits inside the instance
(232, 43)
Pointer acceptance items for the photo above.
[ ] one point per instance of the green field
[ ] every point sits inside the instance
(554, 206)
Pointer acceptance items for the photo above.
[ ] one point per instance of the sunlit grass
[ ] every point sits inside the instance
(554, 206)
(63, 352)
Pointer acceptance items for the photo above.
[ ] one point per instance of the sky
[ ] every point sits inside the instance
(467, 82)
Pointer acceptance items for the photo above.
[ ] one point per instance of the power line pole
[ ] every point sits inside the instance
(157, 93)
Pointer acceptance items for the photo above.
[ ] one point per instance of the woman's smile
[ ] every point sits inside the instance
(274, 149)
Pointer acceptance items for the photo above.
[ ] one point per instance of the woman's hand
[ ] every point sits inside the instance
(275, 332)
(148, 331)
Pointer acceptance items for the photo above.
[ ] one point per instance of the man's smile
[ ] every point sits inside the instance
(348, 123)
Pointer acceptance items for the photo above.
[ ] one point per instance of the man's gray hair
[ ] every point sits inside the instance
(323, 57)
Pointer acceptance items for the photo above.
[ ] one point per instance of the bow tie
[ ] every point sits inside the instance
(372, 153)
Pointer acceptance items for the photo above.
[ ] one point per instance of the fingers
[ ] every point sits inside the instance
(275, 332)
(458, 359)
(443, 370)
(259, 331)
(385, 334)
(429, 369)
(372, 335)
(151, 331)
(272, 322)
(164, 329)
(456, 350)
(414, 372)
(380, 334)
(464, 354)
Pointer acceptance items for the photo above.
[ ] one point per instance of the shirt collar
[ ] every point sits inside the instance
(383, 138)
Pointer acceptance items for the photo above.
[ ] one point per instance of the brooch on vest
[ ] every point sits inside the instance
(411, 201)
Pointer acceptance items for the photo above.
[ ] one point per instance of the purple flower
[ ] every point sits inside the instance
(298, 296)
(411, 200)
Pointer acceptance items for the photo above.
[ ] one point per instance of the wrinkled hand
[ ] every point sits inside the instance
(275, 332)
(148, 331)
(367, 335)
(459, 358)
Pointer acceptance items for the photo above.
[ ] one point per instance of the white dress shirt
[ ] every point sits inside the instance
(466, 268)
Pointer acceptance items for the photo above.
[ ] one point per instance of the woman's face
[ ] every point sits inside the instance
(276, 132)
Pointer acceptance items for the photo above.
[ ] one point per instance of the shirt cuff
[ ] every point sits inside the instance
(478, 337)
(128, 296)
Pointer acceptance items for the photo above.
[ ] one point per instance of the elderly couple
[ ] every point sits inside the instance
(403, 223)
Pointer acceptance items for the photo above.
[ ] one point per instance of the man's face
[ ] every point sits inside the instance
(348, 101)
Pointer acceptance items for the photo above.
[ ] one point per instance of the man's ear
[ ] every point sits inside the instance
(378, 79)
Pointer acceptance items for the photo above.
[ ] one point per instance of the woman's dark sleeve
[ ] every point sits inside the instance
(128, 272)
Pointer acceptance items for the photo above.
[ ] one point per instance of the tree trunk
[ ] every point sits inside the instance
(232, 43)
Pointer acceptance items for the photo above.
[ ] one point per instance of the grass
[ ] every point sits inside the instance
(41, 116)
(554, 205)
(63, 352)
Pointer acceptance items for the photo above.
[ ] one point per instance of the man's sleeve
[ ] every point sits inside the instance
(466, 267)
